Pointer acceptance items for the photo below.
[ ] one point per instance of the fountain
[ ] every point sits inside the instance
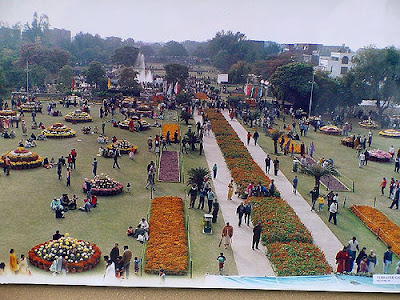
(143, 76)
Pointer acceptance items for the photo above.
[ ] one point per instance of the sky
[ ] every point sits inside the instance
(356, 23)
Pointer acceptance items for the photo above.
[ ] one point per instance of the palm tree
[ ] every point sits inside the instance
(275, 135)
(196, 176)
(319, 171)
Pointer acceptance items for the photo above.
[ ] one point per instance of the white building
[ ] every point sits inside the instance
(337, 64)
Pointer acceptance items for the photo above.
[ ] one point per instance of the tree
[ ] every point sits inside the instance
(377, 76)
(185, 116)
(35, 31)
(2, 83)
(292, 82)
(127, 79)
(197, 175)
(238, 72)
(265, 68)
(318, 171)
(326, 94)
(176, 72)
(147, 50)
(173, 48)
(65, 79)
(125, 56)
(96, 74)
(183, 98)
(275, 135)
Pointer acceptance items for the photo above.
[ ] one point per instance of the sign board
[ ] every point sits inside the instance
(222, 78)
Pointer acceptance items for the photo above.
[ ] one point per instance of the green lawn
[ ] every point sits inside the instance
(26, 195)
(366, 182)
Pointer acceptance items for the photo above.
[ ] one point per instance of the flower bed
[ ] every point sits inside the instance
(296, 147)
(379, 155)
(104, 185)
(280, 222)
(167, 247)
(297, 259)
(331, 129)
(8, 113)
(347, 141)
(80, 255)
(59, 130)
(169, 167)
(171, 128)
(125, 123)
(392, 133)
(376, 221)
(144, 110)
(367, 124)
(124, 146)
(21, 159)
(31, 106)
(78, 116)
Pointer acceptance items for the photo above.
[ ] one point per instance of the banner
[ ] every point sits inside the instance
(177, 88)
(73, 83)
(109, 83)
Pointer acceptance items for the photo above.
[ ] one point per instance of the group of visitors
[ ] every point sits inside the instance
(118, 266)
(17, 266)
(394, 191)
(141, 232)
(366, 263)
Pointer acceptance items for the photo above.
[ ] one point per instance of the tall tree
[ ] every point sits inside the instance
(35, 31)
(176, 72)
(96, 74)
(64, 80)
(173, 48)
(127, 79)
(238, 72)
(125, 56)
(2, 83)
(377, 76)
(265, 68)
(292, 83)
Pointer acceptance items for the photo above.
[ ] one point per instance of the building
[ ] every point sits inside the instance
(337, 64)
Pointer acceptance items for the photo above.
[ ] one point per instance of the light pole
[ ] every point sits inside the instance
(311, 94)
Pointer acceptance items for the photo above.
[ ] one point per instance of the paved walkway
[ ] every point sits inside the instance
(249, 262)
(322, 235)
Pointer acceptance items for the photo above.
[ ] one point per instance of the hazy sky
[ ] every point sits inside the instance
(356, 23)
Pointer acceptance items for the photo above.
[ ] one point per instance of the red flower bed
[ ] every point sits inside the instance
(169, 167)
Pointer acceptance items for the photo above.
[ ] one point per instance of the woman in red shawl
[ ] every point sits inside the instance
(131, 126)
(341, 258)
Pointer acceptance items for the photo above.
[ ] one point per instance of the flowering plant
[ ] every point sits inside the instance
(171, 128)
(124, 146)
(331, 129)
(80, 255)
(22, 158)
(58, 130)
(104, 185)
(367, 124)
(390, 133)
(8, 112)
(78, 116)
(379, 155)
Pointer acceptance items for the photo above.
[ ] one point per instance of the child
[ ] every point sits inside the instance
(128, 187)
(320, 202)
(221, 260)
(136, 263)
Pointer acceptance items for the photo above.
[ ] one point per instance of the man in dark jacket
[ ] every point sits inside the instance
(240, 212)
(256, 235)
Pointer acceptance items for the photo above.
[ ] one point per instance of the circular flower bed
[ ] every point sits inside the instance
(390, 133)
(104, 185)
(124, 146)
(59, 130)
(31, 106)
(331, 129)
(22, 158)
(348, 141)
(125, 123)
(8, 113)
(144, 109)
(80, 255)
(379, 155)
(367, 124)
(78, 116)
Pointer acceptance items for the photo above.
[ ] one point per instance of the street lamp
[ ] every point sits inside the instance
(311, 94)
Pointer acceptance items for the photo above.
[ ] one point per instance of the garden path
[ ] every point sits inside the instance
(322, 235)
(249, 262)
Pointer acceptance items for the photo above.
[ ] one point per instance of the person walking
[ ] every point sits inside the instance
(396, 198)
(396, 164)
(256, 235)
(221, 261)
(353, 244)
(267, 164)
(114, 253)
(295, 182)
(227, 233)
(126, 258)
(276, 166)
(215, 211)
(371, 258)
(255, 137)
(103, 126)
(311, 149)
(247, 213)
(383, 185)
(116, 155)
(230, 190)
(240, 212)
(361, 255)
(248, 137)
(68, 175)
(193, 195)
(387, 260)
(203, 194)
(94, 164)
(332, 212)
(13, 262)
(59, 169)
(215, 169)
(314, 197)
(210, 199)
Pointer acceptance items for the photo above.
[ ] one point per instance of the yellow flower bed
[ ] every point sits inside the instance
(171, 128)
